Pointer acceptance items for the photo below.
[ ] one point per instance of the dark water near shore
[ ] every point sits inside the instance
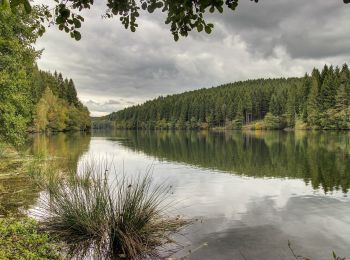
(250, 191)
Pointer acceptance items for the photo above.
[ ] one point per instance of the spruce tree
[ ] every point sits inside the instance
(328, 90)
(313, 110)
(71, 93)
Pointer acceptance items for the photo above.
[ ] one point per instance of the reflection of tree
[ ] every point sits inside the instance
(18, 191)
(67, 148)
(15, 193)
(322, 159)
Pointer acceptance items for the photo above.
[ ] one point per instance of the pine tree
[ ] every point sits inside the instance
(342, 99)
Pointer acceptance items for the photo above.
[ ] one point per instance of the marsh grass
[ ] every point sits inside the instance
(120, 218)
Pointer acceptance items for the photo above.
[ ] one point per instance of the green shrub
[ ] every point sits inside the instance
(259, 126)
(274, 122)
(235, 124)
(301, 125)
(21, 239)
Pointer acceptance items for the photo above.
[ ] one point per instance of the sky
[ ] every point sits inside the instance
(114, 68)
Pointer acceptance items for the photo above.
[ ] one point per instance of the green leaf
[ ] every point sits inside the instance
(65, 13)
(207, 29)
(59, 20)
(150, 8)
(159, 5)
(5, 5)
(199, 27)
(77, 23)
(80, 18)
(27, 6)
(77, 35)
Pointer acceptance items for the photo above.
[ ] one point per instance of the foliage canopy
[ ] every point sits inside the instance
(22, 84)
(182, 16)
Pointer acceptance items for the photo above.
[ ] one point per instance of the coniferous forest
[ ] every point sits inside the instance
(31, 99)
(316, 101)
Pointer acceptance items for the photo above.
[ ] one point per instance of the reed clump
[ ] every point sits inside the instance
(111, 219)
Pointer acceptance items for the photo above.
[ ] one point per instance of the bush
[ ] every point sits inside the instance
(259, 126)
(301, 125)
(274, 122)
(21, 239)
(235, 124)
(126, 218)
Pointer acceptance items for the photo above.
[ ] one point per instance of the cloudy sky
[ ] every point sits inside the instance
(114, 68)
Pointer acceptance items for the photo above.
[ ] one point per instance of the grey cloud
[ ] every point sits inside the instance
(102, 108)
(113, 102)
(269, 39)
(307, 29)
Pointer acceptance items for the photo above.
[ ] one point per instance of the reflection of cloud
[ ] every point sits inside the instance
(255, 216)
(315, 226)
(268, 39)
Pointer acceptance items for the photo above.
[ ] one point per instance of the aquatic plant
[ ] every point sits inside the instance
(124, 217)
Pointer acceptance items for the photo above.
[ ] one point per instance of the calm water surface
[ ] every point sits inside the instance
(251, 192)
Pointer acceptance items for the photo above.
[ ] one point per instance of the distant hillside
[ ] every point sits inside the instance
(318, 101)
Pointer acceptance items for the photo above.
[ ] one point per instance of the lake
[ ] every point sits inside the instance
(249, 192)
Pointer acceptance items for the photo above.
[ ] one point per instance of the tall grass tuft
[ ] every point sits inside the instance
(123, 218)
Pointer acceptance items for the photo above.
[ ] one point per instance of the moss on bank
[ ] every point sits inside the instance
(22, 239)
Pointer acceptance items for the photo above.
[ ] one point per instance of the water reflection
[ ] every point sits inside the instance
(17, 191)
(253, 191)
(68, 148)
(250, 199)
(263, 230)
(321, 159)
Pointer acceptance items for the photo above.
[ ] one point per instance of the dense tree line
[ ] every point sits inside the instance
(31, 99)
(318, 101)
(57, 107)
